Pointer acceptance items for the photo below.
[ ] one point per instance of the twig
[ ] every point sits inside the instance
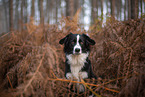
(116, 79)
(10, 82)
(4, 35)
(90, 89)
(64, 80)
(53, 74)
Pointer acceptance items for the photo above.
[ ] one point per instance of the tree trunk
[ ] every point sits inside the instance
(16, 15)
(144, 6)
(56, 10)
(76, 6)
(47, 10)
(41, 12)
(125, 8)
(22, 17)
(134, 9)
(129, 9)
(83, 12)
(32, 9)
(71, 8)
(101, 10)
(97, 4)
(93, 14)
(107, 6)
(141, 7)
(6, 16)
(120, 9)
(112, 7)
(11, 15)
(67, 8)
(25, 11)
(50, 18)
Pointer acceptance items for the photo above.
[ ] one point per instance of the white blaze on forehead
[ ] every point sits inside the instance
(77, 45)
(78, 38)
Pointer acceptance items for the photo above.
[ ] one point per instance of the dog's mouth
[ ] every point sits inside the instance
(77, 53)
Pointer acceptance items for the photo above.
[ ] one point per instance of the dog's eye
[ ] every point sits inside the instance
(81, 43)
(72, 42)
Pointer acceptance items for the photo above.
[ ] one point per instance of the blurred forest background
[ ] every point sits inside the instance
(15, 13)
(32, 61)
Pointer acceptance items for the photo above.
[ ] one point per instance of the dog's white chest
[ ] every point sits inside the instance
(75, 71)
(76, 63)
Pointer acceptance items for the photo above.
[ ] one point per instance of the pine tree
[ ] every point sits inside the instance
(11, 15)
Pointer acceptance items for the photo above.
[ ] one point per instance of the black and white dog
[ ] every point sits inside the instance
(77, 66)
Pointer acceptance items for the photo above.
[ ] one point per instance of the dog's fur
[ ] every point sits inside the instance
(77, 66)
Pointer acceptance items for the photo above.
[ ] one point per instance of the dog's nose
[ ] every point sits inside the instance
(77, 50)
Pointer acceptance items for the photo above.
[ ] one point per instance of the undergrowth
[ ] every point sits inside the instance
(32, 61)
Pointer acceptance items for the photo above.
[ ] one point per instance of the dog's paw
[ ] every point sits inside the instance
(69, 76)
(83, 75)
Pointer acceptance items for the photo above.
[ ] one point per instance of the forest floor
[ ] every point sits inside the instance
(32, 61)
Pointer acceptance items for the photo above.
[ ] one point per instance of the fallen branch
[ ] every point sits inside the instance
(65, 80)
(10, 82)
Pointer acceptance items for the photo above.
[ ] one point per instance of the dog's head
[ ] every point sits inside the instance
(76, 43)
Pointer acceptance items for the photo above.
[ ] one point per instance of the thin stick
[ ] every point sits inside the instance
(90, 89)
(64, 80)
(10, 82)
(115, 79)
(4, 35)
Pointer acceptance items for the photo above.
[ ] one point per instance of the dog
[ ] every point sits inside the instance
(77, 64)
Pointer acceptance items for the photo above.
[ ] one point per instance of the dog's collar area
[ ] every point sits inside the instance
(77, 54)
(79, 59)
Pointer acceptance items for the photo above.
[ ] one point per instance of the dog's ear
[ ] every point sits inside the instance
(63, 40)
(89, 40)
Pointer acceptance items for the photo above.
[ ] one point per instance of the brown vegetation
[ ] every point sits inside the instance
(32, 61)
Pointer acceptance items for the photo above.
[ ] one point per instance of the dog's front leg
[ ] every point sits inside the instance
(83, 75)
(69, 76)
